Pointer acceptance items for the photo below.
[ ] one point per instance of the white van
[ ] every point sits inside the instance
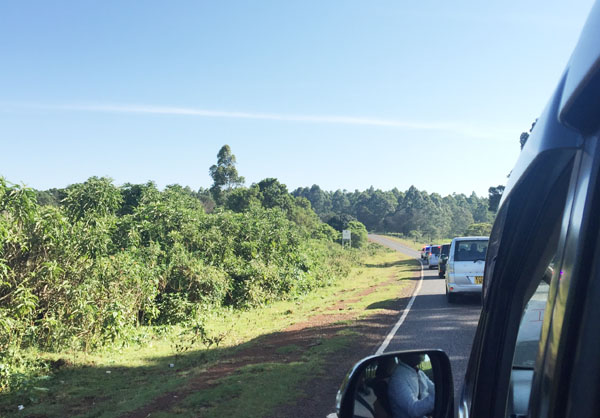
(464, 270)
(434, 256)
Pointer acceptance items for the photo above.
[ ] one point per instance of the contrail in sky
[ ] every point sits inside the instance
(456, 128)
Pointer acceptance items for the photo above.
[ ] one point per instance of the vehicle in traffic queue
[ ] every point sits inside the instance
(445, 252)
(434, 256)
(535, 351)
(425, 251)
(465, 265)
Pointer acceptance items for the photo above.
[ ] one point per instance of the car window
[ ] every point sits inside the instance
(530, 328)
(544, 267)
(445, 249)
(472, 250)
(528, 338)
(435, 250)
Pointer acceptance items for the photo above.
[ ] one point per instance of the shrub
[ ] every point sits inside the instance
(359, 234)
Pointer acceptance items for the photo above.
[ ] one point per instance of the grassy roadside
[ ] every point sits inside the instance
(171, 361)
(407, 242)
(417, 245)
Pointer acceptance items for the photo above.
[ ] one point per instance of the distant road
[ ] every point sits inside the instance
(432, 322)
(394, 245)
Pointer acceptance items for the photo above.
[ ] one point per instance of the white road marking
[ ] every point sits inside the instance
(391, 334)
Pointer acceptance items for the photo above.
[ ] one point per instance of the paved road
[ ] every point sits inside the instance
(433, 323)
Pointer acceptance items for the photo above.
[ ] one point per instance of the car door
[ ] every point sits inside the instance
(538, 263)
(533, 353)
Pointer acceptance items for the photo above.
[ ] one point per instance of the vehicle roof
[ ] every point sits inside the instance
(470, 238)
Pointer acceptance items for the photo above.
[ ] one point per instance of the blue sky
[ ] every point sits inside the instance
(343, 94)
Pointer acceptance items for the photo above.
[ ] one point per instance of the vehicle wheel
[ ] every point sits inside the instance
(451, 297)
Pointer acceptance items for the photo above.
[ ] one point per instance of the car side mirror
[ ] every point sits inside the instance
(404, 383)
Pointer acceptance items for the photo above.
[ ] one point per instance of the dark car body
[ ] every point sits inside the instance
(535, 351)
(443, 260)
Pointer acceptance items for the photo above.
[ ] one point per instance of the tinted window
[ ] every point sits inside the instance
(446, 249)
(470, 250)
(530, 328)
(435, 250)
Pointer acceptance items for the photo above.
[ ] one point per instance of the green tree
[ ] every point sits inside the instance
(51, 197)
(274, 194)
(340, 203)
(358, 234)
(373, 206)
(96, 197)
(242, 199)
(224, 174)
(340, 222)
(481, 229)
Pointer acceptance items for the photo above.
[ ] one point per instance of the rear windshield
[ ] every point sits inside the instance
(470, 250)
(435, 250)
(446, 249)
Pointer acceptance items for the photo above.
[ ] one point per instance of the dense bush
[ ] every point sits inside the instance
(483, 229)
(82, 271)
(358, 233)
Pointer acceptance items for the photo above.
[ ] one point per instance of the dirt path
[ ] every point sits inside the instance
(317, 396)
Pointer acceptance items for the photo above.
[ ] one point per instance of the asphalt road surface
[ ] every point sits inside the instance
(433, 323)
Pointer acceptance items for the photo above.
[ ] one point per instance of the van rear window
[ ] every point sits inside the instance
(470, 250)
(435, 250)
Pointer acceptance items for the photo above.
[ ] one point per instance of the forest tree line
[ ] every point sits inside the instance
(413, 213)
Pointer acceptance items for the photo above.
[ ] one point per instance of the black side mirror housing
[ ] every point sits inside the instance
(415, 382)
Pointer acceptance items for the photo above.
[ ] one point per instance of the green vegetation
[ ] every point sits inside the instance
(103, 287)
(483, 229)
(414, 214)
(415, 245)
(95, 262)
(140, 371)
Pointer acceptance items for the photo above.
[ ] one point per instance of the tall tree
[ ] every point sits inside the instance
(224, 173)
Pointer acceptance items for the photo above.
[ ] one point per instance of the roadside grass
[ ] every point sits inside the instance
(417, 245)
(115, 381)
(255, 390)
(406, 242)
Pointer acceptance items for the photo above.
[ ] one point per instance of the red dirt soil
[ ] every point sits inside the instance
(317, 397)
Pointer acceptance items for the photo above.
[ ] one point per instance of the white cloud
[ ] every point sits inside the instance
(461, 129)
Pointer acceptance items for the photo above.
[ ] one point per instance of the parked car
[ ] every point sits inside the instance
(465, 265)
(434, 256)
(535, 351)
(445, 252)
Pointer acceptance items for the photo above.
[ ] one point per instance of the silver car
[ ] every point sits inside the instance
(466, 262)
